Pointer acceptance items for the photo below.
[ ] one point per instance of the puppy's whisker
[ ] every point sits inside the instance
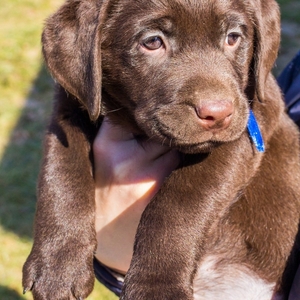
(114, 110)
(163, 142)
(150, 138)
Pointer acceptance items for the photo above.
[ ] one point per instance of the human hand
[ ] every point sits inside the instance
(127, 176)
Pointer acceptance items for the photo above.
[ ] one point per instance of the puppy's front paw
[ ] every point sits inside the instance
(63, 274)
(156, 290)
(165, 293)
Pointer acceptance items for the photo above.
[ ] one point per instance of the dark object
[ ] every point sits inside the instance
(185, 73)
(289, 81)
(107, 278)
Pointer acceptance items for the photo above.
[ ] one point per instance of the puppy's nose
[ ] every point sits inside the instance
(215, 115)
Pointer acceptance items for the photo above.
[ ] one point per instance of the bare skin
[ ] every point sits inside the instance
(126, 181)
(128, 174)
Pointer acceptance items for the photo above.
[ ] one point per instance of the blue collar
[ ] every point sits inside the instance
(254, 133)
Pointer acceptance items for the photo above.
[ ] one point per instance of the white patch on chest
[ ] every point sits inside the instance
(229, 281)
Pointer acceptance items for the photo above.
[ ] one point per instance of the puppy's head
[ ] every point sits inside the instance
(184, 72)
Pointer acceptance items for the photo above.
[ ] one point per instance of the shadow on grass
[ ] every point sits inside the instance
(20, 162)
(9, 294)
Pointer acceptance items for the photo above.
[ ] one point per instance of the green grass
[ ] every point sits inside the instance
(290, 10)
(26, 92)
(25, 98)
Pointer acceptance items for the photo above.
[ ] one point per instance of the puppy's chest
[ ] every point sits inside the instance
(218, 278)
(225, 271)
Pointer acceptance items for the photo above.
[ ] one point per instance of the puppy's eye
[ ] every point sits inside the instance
(153, 43)
(232, 39)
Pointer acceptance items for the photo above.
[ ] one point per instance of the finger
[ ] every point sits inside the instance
(164, 165)
(121, 142)
(153, 149)
(114, 132)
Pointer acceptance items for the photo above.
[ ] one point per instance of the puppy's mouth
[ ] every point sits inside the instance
(172, 143)
(189, 137)
(191, 147)
(205, 147)
(183, 144)
(194, 128)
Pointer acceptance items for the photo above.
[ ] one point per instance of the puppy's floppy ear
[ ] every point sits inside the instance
(71, 47)
(266, 18)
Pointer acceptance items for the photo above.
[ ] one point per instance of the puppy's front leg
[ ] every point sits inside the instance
(174, 227)
(60, 265)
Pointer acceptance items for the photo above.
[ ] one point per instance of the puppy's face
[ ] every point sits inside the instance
(180, 68)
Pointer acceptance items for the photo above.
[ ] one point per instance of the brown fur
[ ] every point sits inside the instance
(225, 198)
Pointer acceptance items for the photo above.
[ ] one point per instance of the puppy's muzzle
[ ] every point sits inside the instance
(214, 115)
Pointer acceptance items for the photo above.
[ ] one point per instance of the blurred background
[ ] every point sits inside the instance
(25, 105)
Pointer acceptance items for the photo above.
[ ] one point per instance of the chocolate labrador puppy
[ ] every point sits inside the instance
(194, 75)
